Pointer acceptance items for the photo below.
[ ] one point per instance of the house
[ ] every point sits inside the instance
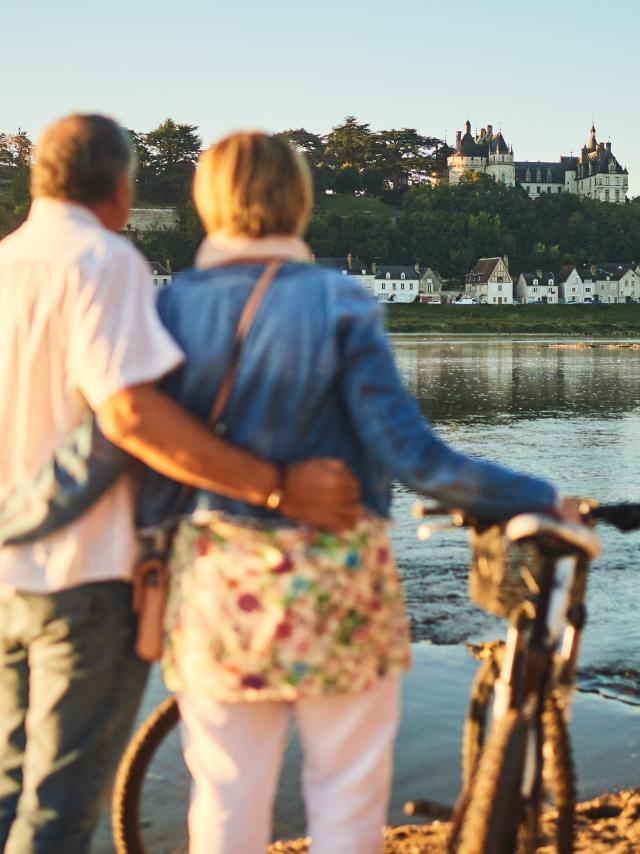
(571, 287)
(350, 266)
(161, 273)
(594, 173)
(539, 286)
(396, 284)
(430, 285)
(615, 283)
(490, 282)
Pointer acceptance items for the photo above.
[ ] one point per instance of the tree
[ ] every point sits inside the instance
(348, 150)
(170, 153)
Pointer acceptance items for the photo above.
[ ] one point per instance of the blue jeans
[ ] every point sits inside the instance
(70, 685)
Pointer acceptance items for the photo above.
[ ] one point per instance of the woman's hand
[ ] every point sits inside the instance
(322, 493)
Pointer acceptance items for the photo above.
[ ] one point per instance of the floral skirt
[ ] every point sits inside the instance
(279, 614)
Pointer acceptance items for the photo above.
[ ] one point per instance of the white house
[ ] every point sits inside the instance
(396, 284)
(615, 283)
(161, 273)
(571, 287)
(539, 286)
(490, 282)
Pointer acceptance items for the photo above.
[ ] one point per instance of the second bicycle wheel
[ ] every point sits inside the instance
(152, 779)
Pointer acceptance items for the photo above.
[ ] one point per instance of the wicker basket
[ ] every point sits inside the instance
(502, 574)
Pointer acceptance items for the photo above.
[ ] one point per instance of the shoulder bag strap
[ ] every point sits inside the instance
(244, 324)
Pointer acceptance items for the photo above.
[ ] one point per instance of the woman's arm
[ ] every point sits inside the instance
(387, 419)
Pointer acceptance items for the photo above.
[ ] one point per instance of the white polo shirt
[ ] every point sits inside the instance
(78, 323)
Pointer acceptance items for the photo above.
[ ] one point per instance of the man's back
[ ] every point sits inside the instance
(70, 293)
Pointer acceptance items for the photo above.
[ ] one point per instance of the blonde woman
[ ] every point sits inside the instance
(269, 619)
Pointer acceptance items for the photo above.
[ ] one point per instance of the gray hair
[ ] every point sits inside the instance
(80, 159)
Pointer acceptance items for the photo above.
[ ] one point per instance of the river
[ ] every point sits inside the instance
(571, 415)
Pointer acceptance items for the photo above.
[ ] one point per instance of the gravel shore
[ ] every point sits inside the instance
(609, 824)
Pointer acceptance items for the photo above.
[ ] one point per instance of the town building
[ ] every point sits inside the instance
(490, 282)
(571, 287)
(595, 173)
(539, 286)
(431, 285)
(615, 283)
(161, 273)
(396, 284)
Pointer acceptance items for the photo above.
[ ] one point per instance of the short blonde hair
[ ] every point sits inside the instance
(252, 184)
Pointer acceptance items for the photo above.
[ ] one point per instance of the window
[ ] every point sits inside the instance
(401, 286)
(535, 290)
(535, 281)
(550, 282)
(587, 290)
(559, 189)
(383, 286)
(388, 275)
(394, 286)
(411, 286)
(548, 189)
(537, 189)
(402, 276)
(499, 287)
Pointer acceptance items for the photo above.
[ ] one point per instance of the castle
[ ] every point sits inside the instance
(594, 173)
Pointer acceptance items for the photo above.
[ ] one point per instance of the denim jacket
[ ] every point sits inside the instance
(316, 378)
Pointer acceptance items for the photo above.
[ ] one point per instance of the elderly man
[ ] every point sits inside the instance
(80, 333)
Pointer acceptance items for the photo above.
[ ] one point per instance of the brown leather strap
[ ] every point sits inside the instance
(242, 330)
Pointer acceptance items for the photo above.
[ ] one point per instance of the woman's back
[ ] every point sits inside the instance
(289, 397)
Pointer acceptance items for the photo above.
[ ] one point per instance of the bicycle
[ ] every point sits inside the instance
(155, 731)
(534, 571)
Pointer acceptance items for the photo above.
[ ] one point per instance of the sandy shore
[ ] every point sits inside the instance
(605, 735)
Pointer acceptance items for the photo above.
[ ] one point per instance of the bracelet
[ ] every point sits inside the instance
(274, 498)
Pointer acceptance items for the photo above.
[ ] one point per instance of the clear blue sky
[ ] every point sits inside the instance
(540, 70)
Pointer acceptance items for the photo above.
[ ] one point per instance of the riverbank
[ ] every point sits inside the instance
(621, 320)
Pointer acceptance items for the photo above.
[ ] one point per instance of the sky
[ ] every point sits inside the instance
(541, 71)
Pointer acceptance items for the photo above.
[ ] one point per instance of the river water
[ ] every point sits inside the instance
(571, 415)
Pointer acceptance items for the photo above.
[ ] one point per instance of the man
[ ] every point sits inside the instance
(80, 333)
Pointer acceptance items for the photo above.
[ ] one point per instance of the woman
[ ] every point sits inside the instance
(267, 618)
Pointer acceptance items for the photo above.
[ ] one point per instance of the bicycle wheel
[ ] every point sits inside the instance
(152, 767)
(559, 774)
(495, 808)
(475, 724)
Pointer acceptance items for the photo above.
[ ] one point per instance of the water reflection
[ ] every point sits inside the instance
(475, 379)
(572, 416)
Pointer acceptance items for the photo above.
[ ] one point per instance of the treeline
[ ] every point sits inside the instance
(376, 199)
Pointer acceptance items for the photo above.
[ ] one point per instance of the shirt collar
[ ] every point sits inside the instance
(47, 209)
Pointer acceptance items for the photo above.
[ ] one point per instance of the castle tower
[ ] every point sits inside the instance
(500, 164)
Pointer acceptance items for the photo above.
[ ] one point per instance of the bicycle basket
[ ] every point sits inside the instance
(502, 574)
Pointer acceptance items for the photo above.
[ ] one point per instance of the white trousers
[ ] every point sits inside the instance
(234, 752)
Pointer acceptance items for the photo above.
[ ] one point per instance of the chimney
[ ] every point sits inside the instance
(593, 269)
(483, 133)
(505, 258)
(458, 139)
(467, 125)
(349, 260)
(609, 145)
(167, 264)
(489, 130)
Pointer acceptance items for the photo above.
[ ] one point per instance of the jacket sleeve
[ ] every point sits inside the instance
(69, 483)
(388, 422)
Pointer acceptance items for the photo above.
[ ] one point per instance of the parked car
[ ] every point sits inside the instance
(466, 301)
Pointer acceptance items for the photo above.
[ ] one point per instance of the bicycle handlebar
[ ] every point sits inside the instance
(624, 515)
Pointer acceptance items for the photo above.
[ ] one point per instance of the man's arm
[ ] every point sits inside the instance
(150, 426)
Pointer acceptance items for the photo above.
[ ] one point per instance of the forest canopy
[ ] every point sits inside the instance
(377, 196)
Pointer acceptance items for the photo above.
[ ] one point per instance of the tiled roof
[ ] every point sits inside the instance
(396, 272)
(541, 277)
(483, 269)
(565, 272)
(550, 173)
